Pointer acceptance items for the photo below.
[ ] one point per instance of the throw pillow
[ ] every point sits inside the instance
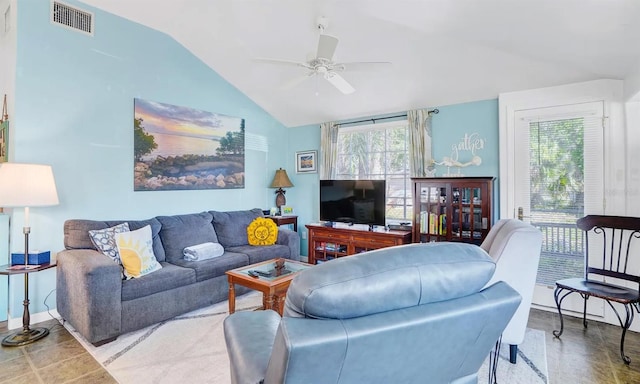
(262, 231)
(104, 240)
(136, 252)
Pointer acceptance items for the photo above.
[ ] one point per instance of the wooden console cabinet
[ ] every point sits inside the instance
(452, 209)
(327, 243)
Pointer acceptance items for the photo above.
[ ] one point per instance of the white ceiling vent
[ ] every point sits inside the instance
(72, 17)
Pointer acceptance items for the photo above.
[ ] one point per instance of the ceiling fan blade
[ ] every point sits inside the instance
(285, 62)
(362, 65)
(294, 82)
(339, 82)
(326, 47)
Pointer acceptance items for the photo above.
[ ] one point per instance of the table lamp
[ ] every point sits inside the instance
(365, 185)
(26, 185)
(281, 180)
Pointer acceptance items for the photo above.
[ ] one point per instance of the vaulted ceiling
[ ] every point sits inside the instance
(442, 51)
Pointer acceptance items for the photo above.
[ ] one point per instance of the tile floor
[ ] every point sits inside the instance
(579, 357)
(58, 358)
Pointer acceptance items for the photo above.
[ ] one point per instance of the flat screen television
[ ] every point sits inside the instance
(353, 201)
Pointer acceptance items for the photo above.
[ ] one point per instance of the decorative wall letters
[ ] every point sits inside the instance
(467, 148)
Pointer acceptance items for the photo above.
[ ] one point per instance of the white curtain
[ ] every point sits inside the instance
(328, 150)
(419, 142)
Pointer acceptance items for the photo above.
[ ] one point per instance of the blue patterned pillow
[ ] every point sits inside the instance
(105, 240)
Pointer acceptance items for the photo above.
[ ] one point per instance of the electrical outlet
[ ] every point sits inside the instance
(304, 235)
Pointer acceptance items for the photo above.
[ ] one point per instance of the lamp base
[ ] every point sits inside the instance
(25, 337)
(280, 199)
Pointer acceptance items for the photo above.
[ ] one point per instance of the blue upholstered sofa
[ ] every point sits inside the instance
(94, 299)
(416, 313)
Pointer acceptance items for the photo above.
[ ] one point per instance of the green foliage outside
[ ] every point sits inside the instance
(557, 165)
(143, 143)
(372, 154)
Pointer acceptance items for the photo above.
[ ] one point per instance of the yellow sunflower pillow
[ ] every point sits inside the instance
(262, 231)
(136, 252)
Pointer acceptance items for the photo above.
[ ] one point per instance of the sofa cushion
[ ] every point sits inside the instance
(167, 278)
(181, 231)
(76, 233)
(231, 226)
(136, 252)
(262, 231)
(262, 253)
(208, 269)
(388, 279)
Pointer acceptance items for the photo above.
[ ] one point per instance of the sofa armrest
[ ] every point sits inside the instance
(89, 291)
(249, 337)
(292, 240)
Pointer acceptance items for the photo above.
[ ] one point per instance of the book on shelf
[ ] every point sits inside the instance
(432, 223)
(442, 230)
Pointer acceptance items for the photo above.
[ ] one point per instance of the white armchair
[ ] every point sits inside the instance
(515, 247)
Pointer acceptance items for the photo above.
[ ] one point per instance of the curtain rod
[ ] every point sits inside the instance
(433, 111)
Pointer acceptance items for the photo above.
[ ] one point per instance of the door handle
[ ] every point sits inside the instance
(521, 215)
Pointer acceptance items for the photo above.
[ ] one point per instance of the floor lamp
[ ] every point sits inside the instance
(24, 186)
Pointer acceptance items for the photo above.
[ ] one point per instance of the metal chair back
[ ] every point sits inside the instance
(616, 235)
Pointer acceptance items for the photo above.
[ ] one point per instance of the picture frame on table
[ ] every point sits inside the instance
(286, 210)
(307, 162)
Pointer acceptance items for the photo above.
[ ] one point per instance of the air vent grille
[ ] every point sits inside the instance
(72, 17)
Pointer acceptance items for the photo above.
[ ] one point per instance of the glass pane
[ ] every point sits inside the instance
(556, 159)
(377, 153)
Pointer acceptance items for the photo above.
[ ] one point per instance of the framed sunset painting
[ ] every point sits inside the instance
(178, 148)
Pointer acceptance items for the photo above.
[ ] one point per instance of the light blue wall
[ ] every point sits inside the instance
(453, 122)
(74, 111)
(448, 127)
(305, 194)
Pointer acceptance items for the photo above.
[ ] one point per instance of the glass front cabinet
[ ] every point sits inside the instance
(452, 209)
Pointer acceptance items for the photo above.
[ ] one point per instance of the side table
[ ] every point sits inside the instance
(27, 335)
(273, 288)
(282, 220)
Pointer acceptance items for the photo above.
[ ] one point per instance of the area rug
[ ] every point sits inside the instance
(191, 349)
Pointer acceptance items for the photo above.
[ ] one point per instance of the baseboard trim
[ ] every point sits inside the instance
(15, 323)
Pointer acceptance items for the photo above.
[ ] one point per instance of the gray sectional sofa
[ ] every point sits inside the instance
(94, 299)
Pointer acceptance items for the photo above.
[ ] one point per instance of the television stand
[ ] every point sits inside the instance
(328, 243)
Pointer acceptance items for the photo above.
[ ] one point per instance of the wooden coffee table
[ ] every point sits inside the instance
(273, 288)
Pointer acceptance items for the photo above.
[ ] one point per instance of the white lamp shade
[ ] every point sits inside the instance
(27, 185)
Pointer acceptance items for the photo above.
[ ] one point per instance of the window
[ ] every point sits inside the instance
(379, 152)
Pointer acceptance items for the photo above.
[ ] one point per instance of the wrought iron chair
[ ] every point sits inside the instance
(617, 235)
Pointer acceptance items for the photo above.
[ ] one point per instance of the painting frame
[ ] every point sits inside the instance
(306, 161)
(286, 210)
(183, 148)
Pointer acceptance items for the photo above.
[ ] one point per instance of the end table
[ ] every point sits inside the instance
(27, 335)
(282, 220)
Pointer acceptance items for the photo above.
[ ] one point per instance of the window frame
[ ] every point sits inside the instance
(404, 180)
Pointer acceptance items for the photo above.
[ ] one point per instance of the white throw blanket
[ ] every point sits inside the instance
(203, 251)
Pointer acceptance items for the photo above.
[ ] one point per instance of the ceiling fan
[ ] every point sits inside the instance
(323, 65)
